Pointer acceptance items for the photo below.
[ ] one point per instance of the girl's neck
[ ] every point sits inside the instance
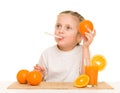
(66, 48)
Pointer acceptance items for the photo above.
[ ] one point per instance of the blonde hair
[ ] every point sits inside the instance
(76, 14)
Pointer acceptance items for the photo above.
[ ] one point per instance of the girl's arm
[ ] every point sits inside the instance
(85, 58)
(87, 40)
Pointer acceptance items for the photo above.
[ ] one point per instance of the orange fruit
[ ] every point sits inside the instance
(100, 61)
(22, 76)
(34, 78)
(84, 26)
(81, 81)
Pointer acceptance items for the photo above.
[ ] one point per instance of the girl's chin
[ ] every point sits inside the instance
(60, 45)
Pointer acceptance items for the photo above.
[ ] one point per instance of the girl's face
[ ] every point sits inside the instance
(67, 27)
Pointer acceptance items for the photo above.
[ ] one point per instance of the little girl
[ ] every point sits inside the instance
(64, 62)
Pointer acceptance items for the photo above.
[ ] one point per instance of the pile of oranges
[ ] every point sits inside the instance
(29, 77)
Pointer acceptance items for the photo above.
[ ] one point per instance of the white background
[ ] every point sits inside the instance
(23, 23)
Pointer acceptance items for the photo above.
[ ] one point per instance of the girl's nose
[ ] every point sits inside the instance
(61, 30)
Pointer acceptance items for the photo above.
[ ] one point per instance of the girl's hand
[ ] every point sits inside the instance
(88, 38)
(40, 69)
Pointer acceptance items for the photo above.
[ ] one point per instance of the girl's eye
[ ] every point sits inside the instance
(68, 28)
(58, 26)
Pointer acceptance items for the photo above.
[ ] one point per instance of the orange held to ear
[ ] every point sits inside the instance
(34, 78)
(84, 26)
(22, 76)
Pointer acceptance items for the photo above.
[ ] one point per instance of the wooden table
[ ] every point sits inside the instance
(4, 89)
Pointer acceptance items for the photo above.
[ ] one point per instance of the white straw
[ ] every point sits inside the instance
(52, 35)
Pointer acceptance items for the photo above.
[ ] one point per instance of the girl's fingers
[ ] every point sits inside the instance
(38, 67)
(89, 30)
(89, 36)
(42, 69)
(92, 32)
